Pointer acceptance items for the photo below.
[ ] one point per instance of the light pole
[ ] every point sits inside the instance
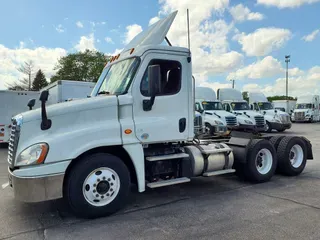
(232, 82)
(287, 60)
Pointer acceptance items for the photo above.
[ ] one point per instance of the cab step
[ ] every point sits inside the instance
(215, 173)
(168, 182)
(166, 157)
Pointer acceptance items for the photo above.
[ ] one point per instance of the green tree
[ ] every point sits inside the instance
(272, 98)
(39, 81)
(245, 96)
(80, 66)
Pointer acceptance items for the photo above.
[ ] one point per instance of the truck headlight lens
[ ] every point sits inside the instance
(34, 154)
(218, 122)
(277, 120)
(248, 122)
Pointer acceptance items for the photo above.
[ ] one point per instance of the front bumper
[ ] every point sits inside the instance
(31, 185)
(280, 126)
(245, 127)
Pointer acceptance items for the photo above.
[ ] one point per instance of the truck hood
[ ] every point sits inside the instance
(272, 113)
(221, 113)
(250, 113)
(71, 107)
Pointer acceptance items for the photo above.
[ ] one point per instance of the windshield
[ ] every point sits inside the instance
(117, 77)
(265, 106)
(212, 105)
(237, 106)
(303, 106)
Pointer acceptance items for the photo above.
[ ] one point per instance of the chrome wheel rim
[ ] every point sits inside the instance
(264, 161)
(296, 156)
(101, 186)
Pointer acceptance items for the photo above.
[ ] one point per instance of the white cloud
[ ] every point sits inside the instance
(102, 23)
(311, 36)
(211, 54)
(98, 40)
(66, 18)
(11, 59)
(108, 40)
(153, 20)
(286, 3)
(241, 13)
(268, 67)
(310, 81)
(93, 24)
(60, 28)
(116, 52)
(86, 42)
(132, 31)
(263, 41)
(79, 24)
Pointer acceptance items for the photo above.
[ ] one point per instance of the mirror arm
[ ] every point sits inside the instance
(148, 103)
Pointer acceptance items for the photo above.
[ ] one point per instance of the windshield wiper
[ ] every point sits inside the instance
(103, 92)
(217, 115)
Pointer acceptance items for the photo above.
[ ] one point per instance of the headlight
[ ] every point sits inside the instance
(218, 122)
(277, 120)
(248, 122)
(34, 154)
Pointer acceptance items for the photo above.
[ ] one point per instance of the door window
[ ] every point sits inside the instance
(170, 78)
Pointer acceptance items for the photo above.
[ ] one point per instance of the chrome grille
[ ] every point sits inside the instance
(259, 121)
(13, 141)
(197, 124)
(231, 121)
(299, 115)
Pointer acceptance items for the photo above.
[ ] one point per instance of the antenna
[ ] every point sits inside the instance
(188, 29)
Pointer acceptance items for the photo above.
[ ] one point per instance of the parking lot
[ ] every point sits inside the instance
(206, 208)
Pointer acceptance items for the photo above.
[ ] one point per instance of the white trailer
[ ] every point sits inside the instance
(12, 103)
(66, 90)
(137, 127)
(216, 120)
(233, 102)
(307, 109)
(287, 105)
(275, 119)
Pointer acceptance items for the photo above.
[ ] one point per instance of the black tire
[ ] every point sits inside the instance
(283, 152)
(251, 172)
(210, 129)
(269, 130)
(311, 119)
(73, 187)
(275, 141)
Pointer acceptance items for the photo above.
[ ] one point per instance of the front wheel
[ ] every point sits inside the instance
(261, 161)
(268, 127)
(97, 186)
(209, 129)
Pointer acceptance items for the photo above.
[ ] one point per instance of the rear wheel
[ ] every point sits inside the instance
(292, 157)
(97, 186)
(275, 141)
(261, 161)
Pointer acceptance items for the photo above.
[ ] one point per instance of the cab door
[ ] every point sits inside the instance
(167, 120)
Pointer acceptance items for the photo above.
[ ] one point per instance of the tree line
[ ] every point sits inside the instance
(79, 66)
(245, 96)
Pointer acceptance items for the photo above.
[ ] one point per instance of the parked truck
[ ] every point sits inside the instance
(66, 90)
(12, 103)
(284, 105)
(307, 109)
(275, 119)
(137, 127)
(233, 102)
(217, 121)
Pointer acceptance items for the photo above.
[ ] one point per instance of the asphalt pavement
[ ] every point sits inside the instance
(220, 207)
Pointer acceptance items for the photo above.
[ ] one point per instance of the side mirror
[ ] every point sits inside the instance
(291, 111)
(44, 96)
(31, 103)
(251, 106)
(275, 110)
(154, 77)
(264, 112)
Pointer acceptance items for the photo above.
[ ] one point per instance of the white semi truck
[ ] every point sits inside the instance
(137, 127)
(233, 102)
(217, 121)
(284, 105)
(12, 103)
(307, 109)
(275, 119)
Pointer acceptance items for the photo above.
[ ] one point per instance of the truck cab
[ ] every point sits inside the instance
(247, 118)
(307, 109)
(275, 119)
(136, 128)
(215, 118)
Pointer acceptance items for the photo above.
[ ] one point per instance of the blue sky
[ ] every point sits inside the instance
(245, 40)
